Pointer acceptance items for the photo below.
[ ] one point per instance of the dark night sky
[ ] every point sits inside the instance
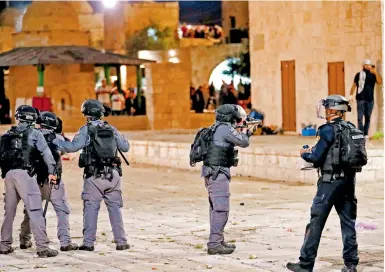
(191, 12)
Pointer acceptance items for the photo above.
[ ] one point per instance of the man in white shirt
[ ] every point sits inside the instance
(103, 93)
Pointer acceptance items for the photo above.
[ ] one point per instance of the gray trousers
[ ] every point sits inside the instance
(94, 191)
(219, 200)
(61, 207)
(19, 185)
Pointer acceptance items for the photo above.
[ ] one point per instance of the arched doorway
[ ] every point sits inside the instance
(218, 75)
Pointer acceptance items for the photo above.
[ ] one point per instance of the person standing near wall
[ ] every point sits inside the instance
(364, 83)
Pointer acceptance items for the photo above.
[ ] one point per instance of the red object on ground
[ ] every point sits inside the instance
(42, 103)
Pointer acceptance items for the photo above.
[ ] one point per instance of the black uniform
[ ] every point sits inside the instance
(336, 190)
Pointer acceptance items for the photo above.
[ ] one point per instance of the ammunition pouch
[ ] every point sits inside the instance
(84, 160)
(103, 168)
(235, 158)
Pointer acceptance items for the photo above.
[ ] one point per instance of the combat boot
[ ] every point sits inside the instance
(123, 247)
(349, 268)
(86, 248)
(47, 252)
(26, 245)
(297, 267)
(228, 245)
(221, 250)
(69, 247)
(5, 252)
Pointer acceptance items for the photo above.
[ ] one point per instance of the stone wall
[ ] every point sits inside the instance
(167, 95)
(238, 9)
(312, 34)
(139, 15)
(65, 84)
(256, 162)
(200, 60)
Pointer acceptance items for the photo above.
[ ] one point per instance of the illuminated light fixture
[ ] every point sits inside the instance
(172, 53)
(174, 60)
(189, 27)
(109, 3)
(141, 66)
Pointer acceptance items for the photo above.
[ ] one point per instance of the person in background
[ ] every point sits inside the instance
(364, 83)
(103, 93)
(131, 103)
(198, 101)
(117, 102)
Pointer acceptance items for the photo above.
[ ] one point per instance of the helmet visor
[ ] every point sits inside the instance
(321, 109)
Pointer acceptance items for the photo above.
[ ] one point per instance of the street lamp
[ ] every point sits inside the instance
(109, 3)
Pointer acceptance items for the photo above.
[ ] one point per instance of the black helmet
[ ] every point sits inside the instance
(26, 113)
(92, 108)
(48, 120)
(228, 113)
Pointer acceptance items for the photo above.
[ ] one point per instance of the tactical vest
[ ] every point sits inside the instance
(219, 156)
(15, 152)
(41, 167)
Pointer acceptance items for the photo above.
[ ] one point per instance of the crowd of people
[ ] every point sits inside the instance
(206, 97)
(202, 32)
(121, 102)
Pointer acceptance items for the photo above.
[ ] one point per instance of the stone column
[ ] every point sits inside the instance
(167, 95)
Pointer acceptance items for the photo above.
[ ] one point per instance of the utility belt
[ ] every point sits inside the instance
(105, 172)
(100, 167)
(330, 177)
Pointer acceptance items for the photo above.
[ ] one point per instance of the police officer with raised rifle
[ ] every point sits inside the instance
(338, 155)
(16, 160)
(221, 155)
(100, 143)
(49, 125)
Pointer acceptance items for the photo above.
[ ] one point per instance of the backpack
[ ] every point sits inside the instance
(351, 142)
(201, 144)
(14, 150)
(103, 142)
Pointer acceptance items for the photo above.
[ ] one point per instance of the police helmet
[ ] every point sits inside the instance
(49, 120)
(334, 102)
(26, 113)
(92, 108)
(228, 113)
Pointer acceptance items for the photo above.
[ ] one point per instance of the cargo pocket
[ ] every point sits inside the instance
(64, 207)
(86, 196)
(318, 207)
(34, 200)
(221, 203)
(116, 197)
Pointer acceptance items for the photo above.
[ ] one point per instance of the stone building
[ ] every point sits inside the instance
(302, 51)
(235, 16)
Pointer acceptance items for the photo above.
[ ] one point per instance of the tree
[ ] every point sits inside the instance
(151, 37)
(239, 66)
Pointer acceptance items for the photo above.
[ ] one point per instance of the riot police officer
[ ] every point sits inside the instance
(220, 157)
(100, 142)
(336, 187)
(16, 150)
(49, 124)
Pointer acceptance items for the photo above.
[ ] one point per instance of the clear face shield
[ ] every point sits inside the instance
(321, 109)
(242, 114)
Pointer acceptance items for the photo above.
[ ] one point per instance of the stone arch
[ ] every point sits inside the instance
(217, 76)
(205, 59)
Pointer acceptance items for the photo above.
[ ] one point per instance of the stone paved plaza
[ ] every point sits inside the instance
(166, 221)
